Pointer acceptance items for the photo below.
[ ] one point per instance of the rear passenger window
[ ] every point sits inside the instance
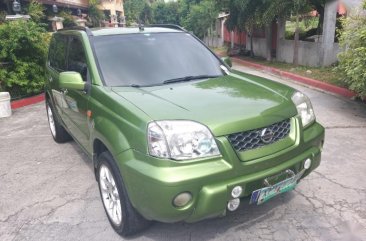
(76, 60)
(57, 53)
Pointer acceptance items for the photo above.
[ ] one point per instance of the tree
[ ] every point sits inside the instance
(95, 14)
(285, 8)
(319, 5)
(166, 12)
(245, 16)
(146, 15)
(133, 10)
(201, 18)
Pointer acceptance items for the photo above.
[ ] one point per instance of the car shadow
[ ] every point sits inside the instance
(82, 155)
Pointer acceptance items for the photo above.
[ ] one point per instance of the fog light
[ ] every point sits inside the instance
(307, 164)
(182, 199)
(233, 204)
(236, 192)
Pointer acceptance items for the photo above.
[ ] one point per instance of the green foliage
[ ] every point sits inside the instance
(95, 14)
(201, 18)
(68, 19)
(166, 12)
(198, 16)
(307, 27)
(23, 44)
(146, 15)
(36, 11)
(133, 10)
(248, 14)
(352, 61)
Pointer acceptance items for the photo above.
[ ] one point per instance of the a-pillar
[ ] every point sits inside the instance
(329, 28)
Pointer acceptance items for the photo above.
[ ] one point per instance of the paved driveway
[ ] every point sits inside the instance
(48, 191)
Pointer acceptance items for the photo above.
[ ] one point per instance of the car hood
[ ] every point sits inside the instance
(227, 104)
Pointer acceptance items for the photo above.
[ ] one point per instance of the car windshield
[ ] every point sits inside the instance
(148, 59)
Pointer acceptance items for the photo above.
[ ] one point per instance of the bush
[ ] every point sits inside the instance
(23, 46)
(68, 19)
(352, 61)
(36, 11)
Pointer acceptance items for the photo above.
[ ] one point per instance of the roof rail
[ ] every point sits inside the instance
(81, 28)
(171, 26)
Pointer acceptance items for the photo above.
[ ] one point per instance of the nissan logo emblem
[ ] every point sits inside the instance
(267, 135)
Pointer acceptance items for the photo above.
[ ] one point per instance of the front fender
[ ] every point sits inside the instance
(116, 141)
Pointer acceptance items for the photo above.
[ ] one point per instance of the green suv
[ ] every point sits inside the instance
(174, 133)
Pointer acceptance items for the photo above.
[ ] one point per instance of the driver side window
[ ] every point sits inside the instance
(76, 59)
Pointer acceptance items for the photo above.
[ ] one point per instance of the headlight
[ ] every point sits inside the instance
(304, 108)
(180, 140)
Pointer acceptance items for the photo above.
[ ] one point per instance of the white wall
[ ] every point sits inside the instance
(215, 42)
(259, 46)
(310, 53)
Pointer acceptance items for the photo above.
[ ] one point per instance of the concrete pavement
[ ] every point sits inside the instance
(48, 190)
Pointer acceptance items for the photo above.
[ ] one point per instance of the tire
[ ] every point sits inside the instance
(58, 132)
(112, 190)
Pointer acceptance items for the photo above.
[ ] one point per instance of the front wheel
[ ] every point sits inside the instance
(124, 219)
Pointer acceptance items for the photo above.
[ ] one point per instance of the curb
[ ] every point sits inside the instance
(27, 101)
(305, 80)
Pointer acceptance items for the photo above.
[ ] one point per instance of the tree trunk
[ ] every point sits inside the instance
(320, 9)
(319, 30)
(268, 32)
(296, 42)
(251, 44)
(232, 40)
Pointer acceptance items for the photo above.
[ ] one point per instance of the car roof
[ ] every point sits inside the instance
(119, 31)
(115, 31)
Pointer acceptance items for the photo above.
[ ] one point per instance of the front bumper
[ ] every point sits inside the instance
(153, 183)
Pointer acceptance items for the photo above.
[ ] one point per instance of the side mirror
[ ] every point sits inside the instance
(71, 80)
(227, 61)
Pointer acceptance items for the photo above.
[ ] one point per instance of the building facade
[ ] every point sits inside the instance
(113, 9)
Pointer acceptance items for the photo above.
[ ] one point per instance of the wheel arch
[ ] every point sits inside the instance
(98, 148)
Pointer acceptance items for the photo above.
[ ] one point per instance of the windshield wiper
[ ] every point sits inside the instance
(189, 78)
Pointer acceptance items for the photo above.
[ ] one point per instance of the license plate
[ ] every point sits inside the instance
(264, 194)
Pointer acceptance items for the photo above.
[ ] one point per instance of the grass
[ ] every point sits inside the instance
(305, 25)
(220, 50)
(325, 74)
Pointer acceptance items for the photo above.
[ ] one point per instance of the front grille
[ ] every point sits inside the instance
(257, 138)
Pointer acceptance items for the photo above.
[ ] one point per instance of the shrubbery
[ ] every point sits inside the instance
(23, 50)
(352, 61)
